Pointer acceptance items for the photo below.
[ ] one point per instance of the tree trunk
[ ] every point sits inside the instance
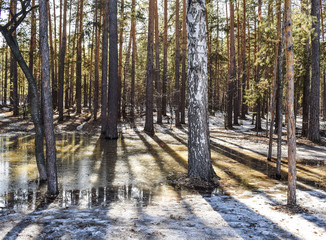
(199, 156)
(79, 59)
(165, 61)
(69, 64)
(217, 64)
(55, 63)
(112, 126)
(85, 90)
(105, 44)
(3, 70)
(39, 152)
(314, 124)
(274, 86)
(62, 62)
(126, 76)
(149, 127)
(120, 55)
(257, 76)
(237, 92)
(92, 62)
(47, 103)
(6, 79)
(54, 91)
(184, 67)
(157, 67)
(133, 61)
(291, 196)
(324, 71)
(32, 45)
(97, 62)
(243, 54)
(306, 81)
(249, 62)
(209, 50)
(74, 62)
(177, 67)
(279, 103)
(13, 68)
(232, 76)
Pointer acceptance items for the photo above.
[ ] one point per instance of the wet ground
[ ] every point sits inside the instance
(119, 190)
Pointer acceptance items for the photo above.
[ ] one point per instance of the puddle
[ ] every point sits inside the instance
(91, 171)
(94, 172)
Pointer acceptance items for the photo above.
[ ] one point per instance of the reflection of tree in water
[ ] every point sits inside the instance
(103, 196)
(104, 193)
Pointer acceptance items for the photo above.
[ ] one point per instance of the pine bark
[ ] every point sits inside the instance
(120, 55)
(126, 76)
(79, 59)
(210, 77)
(96, 61)
(157, 66)
(13, 68)
(279, 103)
(6, 79)
(149, 126)
(105, 44)
(55, 63)
(291, 196)
(237, 92)
(217, 105)
(165, 62)
(62, 62)
(68, 78)
(177, 68)
(52, 63)
(274, 84)
(113, 104)
(184, 67)
(3, 70)
(257, 75)
(47, 102)
(306, 80)
(232, 73)
(32, 46)
(314, 124)
(199, 156)
(90, 89)
(133, 61)
(243, 54)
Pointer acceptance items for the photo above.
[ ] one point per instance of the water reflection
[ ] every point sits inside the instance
(94, 172)
(91, 172)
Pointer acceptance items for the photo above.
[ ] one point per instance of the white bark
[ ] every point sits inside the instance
(198, 144)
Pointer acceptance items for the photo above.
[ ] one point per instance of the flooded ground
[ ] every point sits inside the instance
(119, 190)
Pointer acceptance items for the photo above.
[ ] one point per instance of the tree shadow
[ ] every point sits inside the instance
(245, 221)
(251, 218)
(261, 166)
(258, 164)
(28, 220)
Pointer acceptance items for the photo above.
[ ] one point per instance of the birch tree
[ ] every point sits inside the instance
(199, 156)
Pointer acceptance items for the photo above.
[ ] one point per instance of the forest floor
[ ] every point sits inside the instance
(123, 189)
